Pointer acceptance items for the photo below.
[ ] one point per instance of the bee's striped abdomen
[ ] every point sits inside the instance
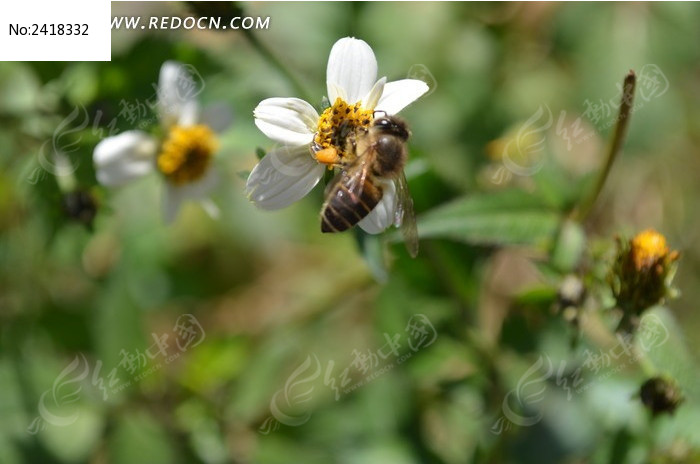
(345, 209)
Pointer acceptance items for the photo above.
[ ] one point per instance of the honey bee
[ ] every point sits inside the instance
(378, 155)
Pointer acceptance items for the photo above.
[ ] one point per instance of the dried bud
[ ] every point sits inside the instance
(660, 395)
(642, 274)
(570, 298)
(80, 206)
(571, 291)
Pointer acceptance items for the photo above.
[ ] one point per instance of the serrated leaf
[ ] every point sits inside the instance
(505, 218)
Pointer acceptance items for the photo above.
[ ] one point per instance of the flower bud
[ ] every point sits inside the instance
(80, 206)
(660, 395)
(641, 275)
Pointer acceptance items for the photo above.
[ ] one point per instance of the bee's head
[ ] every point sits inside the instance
(392, 125)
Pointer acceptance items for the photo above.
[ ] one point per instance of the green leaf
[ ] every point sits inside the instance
(542, 296)
(204, 433)
(381, 451)
(13, 417)
(373, 250)
(505, 218)
(19, 88)
(76, 441)
(663, 341)
(9, 452)
(452, 426)
(139, 438)
(214, 363)
(117, 320)
(569, 247)
(81, 83)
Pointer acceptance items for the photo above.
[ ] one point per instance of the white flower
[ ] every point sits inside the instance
(183, 157)
(288, 173)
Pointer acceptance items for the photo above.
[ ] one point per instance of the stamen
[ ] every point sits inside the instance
(186, 153)
(648, 248)
(336, 123)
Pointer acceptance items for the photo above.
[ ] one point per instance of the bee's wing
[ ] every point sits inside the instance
(351, 197)
(355, 177)
(405, 217)
(352, 176)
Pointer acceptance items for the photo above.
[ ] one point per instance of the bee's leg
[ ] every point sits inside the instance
(328, 156)
(351, 143)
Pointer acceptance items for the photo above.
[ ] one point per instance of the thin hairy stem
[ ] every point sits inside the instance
(618, 138)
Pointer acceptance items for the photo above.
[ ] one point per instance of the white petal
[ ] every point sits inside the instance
(218, 117)
(178, 87)
(370, 101)
(336, 92)
(171, 203)
(175, 195)
(382, 216)
(211, 208)
(124, 157)
(189, 114)
(352, 66)
(399, 94)
(201, 188)
(283, 176)
(289, 121)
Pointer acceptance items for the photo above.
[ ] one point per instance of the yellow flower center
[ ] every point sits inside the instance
(186, 153)
(337, 122)
(648, 248)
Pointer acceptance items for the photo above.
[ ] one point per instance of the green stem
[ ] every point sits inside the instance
(277, 64)
(618, 139)
(645, 364)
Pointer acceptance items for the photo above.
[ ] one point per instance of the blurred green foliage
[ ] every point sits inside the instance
(284, 309)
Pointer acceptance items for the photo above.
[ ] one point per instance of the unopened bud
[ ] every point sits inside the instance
(642, 274)
(80, 206)
(660, 395)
